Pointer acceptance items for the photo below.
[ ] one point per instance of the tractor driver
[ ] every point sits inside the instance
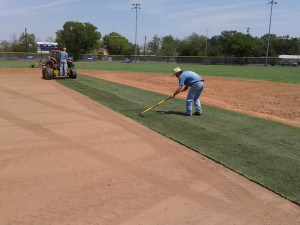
(63, 62)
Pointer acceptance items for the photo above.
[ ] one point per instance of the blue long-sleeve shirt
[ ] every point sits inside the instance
(188, 78)
(63, 56)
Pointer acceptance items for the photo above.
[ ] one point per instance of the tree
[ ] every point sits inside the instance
(154, 45)
(259, 50)
(285, 45)
(241, 45)
(193, 45)
(233, 43)
(264, 39)
(28, 42)
(5, 46)
(168, 46)
(15, 45)
(78, 38)
(222, 41)
(215, 47)
(117, 44)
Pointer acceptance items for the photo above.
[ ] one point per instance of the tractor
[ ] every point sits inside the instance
(51, 68)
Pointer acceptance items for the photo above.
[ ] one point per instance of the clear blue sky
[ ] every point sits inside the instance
(178, 18)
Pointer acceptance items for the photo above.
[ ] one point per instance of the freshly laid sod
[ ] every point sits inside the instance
(263, 151)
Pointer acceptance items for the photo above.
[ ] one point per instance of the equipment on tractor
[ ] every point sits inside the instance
(51, 69)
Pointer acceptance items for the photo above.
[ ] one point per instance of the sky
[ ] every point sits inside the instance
(179, 18)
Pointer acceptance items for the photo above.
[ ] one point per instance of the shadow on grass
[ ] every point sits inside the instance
(171, 113)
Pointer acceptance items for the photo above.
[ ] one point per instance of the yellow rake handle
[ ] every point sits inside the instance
(156, 104)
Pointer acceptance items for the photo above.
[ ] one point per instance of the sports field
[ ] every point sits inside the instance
(261, 145)
(260, 149)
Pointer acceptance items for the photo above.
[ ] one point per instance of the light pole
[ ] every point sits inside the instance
(271, 2)
(135, 6)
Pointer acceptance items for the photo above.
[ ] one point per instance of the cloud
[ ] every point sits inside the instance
(26, 7)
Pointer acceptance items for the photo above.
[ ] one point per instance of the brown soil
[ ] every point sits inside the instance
(269, 100)
(67, 160)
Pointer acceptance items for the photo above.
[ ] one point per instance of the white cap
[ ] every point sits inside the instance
(176, 70)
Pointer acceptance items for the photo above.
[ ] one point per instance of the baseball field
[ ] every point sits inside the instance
(78, 152)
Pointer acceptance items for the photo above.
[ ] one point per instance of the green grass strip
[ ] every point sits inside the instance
(263, 151)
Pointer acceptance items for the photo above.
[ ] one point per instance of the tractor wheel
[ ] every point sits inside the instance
(48, 73)
(43, 73)
(70, 65)
(73, 74)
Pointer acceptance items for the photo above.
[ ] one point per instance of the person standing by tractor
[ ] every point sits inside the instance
(196, 83)
(63, 62)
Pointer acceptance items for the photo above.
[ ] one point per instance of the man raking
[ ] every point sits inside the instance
(192, 80)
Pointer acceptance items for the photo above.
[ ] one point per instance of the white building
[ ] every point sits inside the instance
(291, 57)
(45, 47)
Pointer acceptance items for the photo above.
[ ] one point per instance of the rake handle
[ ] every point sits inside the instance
(156, 104)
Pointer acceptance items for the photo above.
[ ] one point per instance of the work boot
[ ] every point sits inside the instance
(197, 113)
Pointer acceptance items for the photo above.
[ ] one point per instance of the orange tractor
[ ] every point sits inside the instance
(51, 69)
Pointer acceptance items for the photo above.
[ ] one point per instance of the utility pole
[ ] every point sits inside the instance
(145, 45)
(270, 2)
(26, 44)
(248, 29)
(206, 46)
(135, 6)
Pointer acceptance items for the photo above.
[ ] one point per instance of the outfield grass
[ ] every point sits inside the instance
(270, 73)
(17, 63)
(264, 151)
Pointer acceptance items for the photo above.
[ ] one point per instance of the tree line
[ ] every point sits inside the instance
(84, 38)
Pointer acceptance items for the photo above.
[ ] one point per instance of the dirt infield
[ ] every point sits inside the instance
(67, 160)
(269, 100)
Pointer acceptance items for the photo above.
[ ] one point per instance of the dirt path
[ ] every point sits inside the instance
(67, 160)
(269, 100)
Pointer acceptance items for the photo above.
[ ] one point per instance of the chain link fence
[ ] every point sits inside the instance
(42, 57)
